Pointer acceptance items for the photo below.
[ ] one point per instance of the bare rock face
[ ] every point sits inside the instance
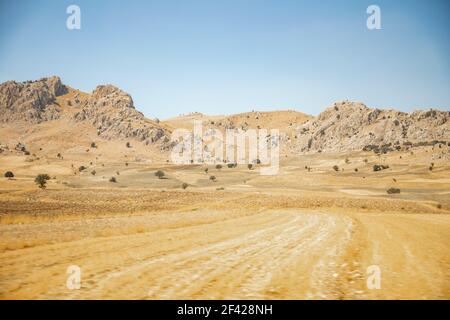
(353, 126)
(32, 101)
(112, 112)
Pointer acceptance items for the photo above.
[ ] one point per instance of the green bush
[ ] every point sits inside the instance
(160, 174)
(9, 174)
(379, 167)
(41, 180)
(393, 191)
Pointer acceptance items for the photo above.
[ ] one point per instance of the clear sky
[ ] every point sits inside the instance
(229, 56)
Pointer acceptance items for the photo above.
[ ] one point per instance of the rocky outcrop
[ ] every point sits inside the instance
(353, 126)
(112, 112)
(32, 101)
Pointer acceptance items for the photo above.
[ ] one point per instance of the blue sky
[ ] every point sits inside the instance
(221, 57)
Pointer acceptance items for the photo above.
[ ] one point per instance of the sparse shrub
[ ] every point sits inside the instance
(230, 165)
(258, 161)
(219, 166)
(118, 173)
(93, 172)
(206, 170)
(82, 168)
(212, 178)
(336, 168)
(430, 168)
(93, 145)
(393, 191)
(439, 206)
(41, 180)
(128, 145)
(9, 174)
(160, 174)
(113, 180)
(347, 161)
(59, 155)
(27, 153)
(379, 167)
(126, 164)
(356, 169)
(249, 166)
(184, 185)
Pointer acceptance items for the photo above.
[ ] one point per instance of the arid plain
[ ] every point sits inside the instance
(309, 232)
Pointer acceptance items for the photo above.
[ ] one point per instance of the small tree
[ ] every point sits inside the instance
(93, 172)
(81, 168)
(249, 166)
(93, 145)
(160, 174)
(41, 180)
(212, 178)
(219, 166)
(230, 165)
(184, 185)
(9, 174)
(113, 180)
(336, 168)
(206, 170)
(128, 145)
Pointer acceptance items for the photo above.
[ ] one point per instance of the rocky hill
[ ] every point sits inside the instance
(108, 113)
(109, 110)
(353, 126)
(33, 101)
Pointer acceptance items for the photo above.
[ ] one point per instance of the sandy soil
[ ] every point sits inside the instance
(304, 234)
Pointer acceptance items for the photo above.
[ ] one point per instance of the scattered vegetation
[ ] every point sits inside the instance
(213, 178)
(393, 191)
(184, 185)
(206, 170)
(9, 174)
(336, 168)
(128, 145)
(219, 166)
(82, 168)
(379, 167)
(160, 174)
(93, 172)
(93, 145)
(249, 166)
(113, 179)
(41, 180)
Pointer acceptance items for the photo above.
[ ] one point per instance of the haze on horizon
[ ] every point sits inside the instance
(222, 57)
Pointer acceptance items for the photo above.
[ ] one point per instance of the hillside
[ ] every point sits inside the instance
(58, 117)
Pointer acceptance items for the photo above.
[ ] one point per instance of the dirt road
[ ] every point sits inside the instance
(214, 254)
